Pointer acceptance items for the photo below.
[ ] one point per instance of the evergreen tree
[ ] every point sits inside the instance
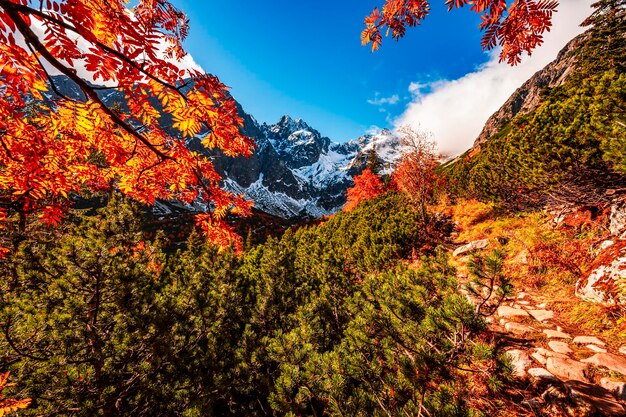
(374, 163)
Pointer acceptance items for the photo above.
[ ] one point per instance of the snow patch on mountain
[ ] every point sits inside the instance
(330, 167)
(276, 203)
(322, 169)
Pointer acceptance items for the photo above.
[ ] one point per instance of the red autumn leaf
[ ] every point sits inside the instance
(367, 186)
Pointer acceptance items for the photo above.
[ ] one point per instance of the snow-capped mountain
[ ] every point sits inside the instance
(297, 172)
(294, 171)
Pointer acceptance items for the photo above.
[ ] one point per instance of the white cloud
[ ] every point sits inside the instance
(456, 110)
(381, 101)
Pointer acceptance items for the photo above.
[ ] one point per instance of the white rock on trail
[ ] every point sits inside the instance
(585, 340)
(618, 388)
(567, 368)
(556, 334)
(596, 349)
(504, 311)
(472, 246)
(520, 362)
(518, 328)
(541, 375)
(560, 347)
(610, 361)
(541, 315)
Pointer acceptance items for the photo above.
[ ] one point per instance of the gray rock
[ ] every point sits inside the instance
(567, 369)
(596, 349)
(617, 220)
(606, 244)
(550, 354)
(519, 361)
(528, 97)
(560, 347)
(541, 315)
(601, 399)
(470, 247)
(539, 358)
(610, 361)
(518, 328)
(601, 285)
(556, 334)
(541, 375)
(584, 340)
(618, 388)
(504, 311)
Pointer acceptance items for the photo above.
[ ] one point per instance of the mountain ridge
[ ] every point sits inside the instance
(294, 172)
(528, 96)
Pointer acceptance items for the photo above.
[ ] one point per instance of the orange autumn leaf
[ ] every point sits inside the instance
(517, 26)
(52, 150)
(367, 186)
(10, 405)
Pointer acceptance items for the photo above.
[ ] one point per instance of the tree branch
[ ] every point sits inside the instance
(27, 10)
(31, 38)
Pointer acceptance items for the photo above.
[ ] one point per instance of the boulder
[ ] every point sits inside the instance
(610, 361)
(579, 399)
(567, 369)
(618, 388)
(605, 245)
(602, 284)
(617, 219)
(518, 328)
(541, 375)
(601, 399)
(550, 354)
(539, 358)
(519, 361)
(470, 247)
(596, 349)
(541, 355)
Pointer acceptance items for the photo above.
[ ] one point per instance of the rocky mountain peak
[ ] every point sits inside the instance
(287, 126)
(295, 141)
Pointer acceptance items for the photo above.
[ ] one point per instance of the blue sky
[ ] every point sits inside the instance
(305, 59)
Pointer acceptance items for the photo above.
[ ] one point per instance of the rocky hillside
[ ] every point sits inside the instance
(528, 97)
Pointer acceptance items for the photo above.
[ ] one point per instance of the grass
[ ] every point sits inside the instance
(542, 260)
